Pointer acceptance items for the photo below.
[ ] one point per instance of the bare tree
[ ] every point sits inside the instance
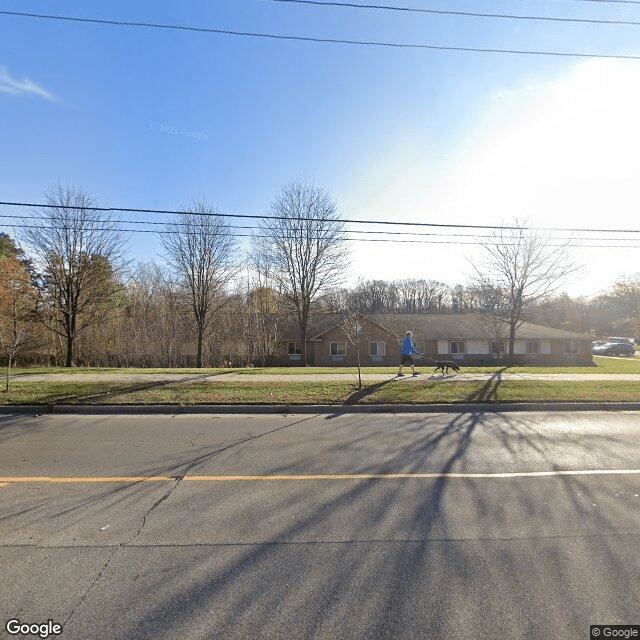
(201, 247)
(376, 296)
(524, 266)
(79, 253)
(304, 235)
(267, 320)
(352, 329)
(626, 293)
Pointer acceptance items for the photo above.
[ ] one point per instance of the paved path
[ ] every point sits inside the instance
(320, 377)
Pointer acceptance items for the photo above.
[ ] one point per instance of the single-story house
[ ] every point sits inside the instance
(465, 338)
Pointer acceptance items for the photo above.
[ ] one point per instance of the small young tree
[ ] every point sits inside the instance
(352, 330)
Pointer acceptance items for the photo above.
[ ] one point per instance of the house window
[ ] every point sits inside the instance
(533, 346)
(419, 345)
(377, 348)
(457, 346)
(294, 349)
(337, 348)
(497, 346)
(571, 347)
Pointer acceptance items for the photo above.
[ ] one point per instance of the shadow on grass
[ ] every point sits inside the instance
(358, 396)
(113, 391)
(488, 391)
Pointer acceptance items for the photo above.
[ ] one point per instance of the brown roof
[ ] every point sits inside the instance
(443, 326)
(432, 326)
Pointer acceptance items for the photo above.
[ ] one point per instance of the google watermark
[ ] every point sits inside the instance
(183, 132)
(15, 627)
(599, 631)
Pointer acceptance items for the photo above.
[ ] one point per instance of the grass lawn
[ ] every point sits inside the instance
(510, 391)
(388, 392)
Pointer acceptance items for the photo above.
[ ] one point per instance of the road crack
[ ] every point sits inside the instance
(125, 543)
(178, 479)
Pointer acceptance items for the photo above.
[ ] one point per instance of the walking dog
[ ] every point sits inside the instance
(445, 365)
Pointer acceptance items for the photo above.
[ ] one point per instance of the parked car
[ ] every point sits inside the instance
(625, 348)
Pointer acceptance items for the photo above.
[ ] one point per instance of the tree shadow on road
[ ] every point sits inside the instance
(367, 558)
(371, 544)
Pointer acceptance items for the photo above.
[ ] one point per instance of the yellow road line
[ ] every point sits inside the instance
(316, 477)
(4, 484)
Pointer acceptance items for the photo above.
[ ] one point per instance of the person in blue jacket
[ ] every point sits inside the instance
(407, 354)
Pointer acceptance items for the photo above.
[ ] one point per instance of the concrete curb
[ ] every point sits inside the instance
(316, 409)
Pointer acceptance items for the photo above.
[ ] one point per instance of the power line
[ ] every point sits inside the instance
(367, 43)
(306, 219)
(505, 16)
(358, 231)
(352, 239)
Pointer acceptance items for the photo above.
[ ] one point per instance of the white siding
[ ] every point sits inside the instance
(520, 347)
(475, 346)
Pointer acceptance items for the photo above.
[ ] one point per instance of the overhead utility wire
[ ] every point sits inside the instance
(303, 219)
(505, 16)
(254, 227)
(349, 239)
(368, 43)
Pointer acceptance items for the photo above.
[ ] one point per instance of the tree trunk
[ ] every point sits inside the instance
(200, 341)
(512, 336)
(303, 339)
(69, 360)
(8, 370)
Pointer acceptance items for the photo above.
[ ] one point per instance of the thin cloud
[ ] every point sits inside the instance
(24, 86)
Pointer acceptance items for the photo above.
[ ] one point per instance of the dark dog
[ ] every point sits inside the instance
(445, 365)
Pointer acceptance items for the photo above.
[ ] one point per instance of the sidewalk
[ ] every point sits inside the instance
(322, 377)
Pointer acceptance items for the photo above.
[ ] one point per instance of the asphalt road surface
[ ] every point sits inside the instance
(343, 526)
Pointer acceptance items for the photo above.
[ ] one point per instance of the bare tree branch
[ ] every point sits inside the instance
(201, 247)
(80, 255)
(304, 238)
(524, 267)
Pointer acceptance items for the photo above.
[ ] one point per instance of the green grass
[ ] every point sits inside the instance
(94, 393)
(388, 392)
(21, 371)
(63, 392)
(511, 391)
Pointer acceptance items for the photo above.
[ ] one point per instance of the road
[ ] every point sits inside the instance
(337, 526)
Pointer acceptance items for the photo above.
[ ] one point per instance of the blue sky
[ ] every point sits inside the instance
(154, 118)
